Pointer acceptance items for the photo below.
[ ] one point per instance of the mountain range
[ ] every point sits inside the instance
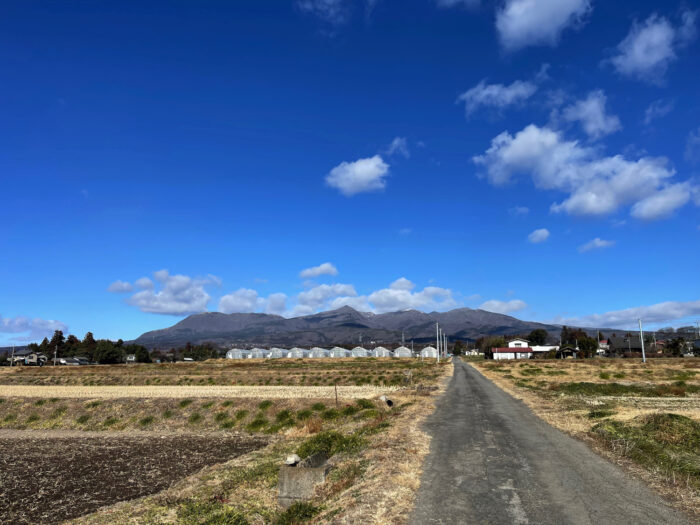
(342, 326)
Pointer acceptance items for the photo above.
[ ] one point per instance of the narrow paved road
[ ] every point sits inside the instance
(492, 461)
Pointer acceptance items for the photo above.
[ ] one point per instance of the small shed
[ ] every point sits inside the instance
(429, 351)
(380, 351)
(358, 351)
(318, 352)
(298, 353)
(511, 353)
(402, 351)
(337, 351)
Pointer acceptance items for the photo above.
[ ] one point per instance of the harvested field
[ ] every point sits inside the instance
(50, 477)
(242, 372)
(646, 416)
(146, 392)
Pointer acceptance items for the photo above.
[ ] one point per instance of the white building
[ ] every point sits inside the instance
(337, 351)
(380, 351)
(544, 349)
(511, 353)
(518, 343)
(429, 351)
(259, 353)
(358, 351)
(298, 353)
(317, 352)
(237, 353)
(277, 353)
(402, 351)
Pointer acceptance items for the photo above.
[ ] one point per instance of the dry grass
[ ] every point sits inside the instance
(567, 394)
(231, 372)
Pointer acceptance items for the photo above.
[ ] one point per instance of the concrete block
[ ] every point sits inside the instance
(298, 482)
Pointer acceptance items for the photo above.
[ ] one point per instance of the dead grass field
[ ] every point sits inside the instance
(377, 453)
(643, 416)
(231, 372)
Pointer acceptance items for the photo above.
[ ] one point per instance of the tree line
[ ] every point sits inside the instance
(103, 351)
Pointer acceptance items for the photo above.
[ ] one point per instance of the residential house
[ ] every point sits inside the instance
(512, 353)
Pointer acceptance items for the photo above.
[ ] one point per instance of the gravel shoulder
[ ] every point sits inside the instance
(493, 461)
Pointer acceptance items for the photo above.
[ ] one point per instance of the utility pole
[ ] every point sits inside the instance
(444, 346)
(641, 340)
(437, 339)
(55, 355)
(12, 363)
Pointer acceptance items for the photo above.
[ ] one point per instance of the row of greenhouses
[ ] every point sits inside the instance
(319, 353)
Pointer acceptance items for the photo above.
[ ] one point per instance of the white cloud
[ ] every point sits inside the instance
(120, 287)
(503, 307)
(333, 12)
(657, 109)
(662, 203)
(30, 329)
(457, 3)
(316, 271)
(399, 296)
(650, 47)
(522, 23)
(360, 176)
(596, 185)
(399, 146)
(595, 244)
(590, 112)
(496, 95)
(402, 284)
(245, 300)
(318, 296)
(517, 211)
(692, 147)
(656, 313)
(538, 236)
(177, 294)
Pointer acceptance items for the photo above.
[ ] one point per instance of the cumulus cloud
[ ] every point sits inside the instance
(29, 329)
(503, 307)
(399, 146)
(496, 95)
(665, 312)
(657, 109)
(120, 287)
(590, 112)
(245, 300)
(316, 271)
(363, 175)
(318, 296)
(651, 46)
(596, 185)
(332, 12)
(522, 23)
(538, 236)
(595, 244)
(400, 296)
(174, 295)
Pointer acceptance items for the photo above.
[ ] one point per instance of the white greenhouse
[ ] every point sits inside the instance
(429, 351)
(298, 353)
(277, 353)
(237, 353)
(380, 351)
(319, 352)
(336, 351)
(259, 353)
(358, 351)
(402, 351)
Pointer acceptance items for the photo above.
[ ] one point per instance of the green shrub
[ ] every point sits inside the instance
(330, 442)
(264, 405)
(33, 417)
(257, 424)
(38, 402)
(330, 413)
(110, 421)
(208, 405)
(227, 403)
(9, 417)
(93, 404)
(82, 419)
(318, 407)
(600, 413)
(58, 412)
(305, 414)
(167, 413)
(194, 418)
(227, 424)
(364, 403)
(185, 403)
(284, 415)
(349, 410)
(299, 512)
(619, 375)
(145, 421)
(604, 375)
(209, 513)
(241, 414)
(221, 416)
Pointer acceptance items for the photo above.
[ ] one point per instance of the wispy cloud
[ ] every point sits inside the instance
(316, 271)
(538, 236)
(592, 115)
(30, 329)
(657, 109)
(503, 307)
(665, 312)
(399, 146)
(595, 244)
(363, 175)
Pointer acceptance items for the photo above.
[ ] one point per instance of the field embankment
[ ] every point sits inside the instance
(644, 416)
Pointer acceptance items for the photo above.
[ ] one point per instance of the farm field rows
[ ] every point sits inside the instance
(146, 422)
(643, 415)
(232, 372)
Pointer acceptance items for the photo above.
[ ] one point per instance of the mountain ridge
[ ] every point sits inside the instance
(344, 325)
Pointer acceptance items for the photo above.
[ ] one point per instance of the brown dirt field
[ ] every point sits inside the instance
(49, 477)
(231, 372)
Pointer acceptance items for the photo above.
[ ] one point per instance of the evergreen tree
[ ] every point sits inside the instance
(57, 342)
(538, 337)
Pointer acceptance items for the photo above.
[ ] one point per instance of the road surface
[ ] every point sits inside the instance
(492, 462)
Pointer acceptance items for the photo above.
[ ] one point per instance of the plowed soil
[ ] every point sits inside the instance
(47, 477)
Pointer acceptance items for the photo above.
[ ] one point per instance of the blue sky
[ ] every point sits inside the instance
(537, 158)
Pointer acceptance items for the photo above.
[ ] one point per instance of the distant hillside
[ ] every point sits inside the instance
(343, 326)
